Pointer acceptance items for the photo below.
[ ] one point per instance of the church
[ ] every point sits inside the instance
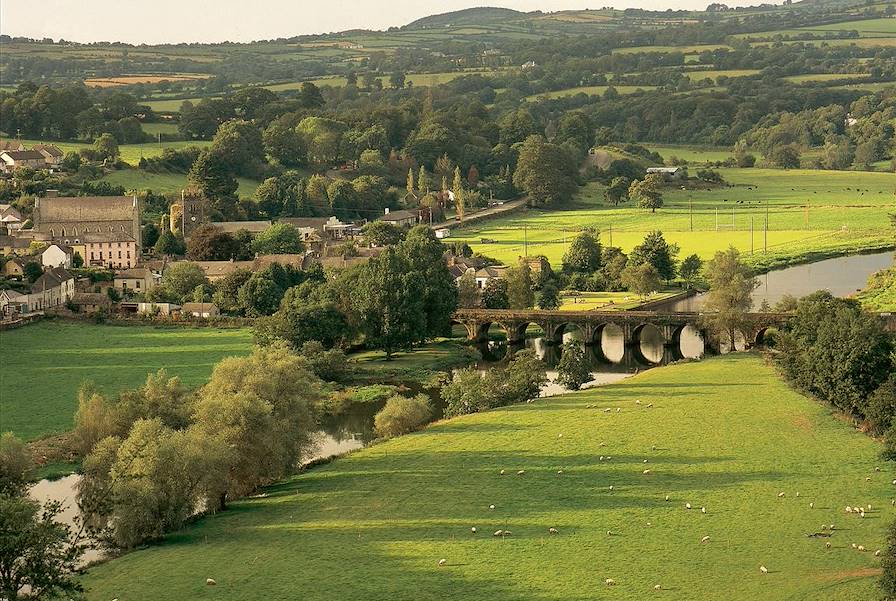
(71, 219)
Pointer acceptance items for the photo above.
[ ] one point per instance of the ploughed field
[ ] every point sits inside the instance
(810, 213)
(45, 363)
(725, 434)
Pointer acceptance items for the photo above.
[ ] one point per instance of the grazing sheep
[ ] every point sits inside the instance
(687, 505)
(503, 472)
(473, 529)
(827, 545)
(824, 527)
(869, 508)
(657, 587)
(610, 582)
(653, 447)
(603, 444)
(877, 553)
(611, 487)
(442, 562)
(855, 546)
(868, 479)
(861, 547)
(210, 582)
(894, 482)
(667, 497)
(638, 402)
(491, 506)
(649, 405)
(645, 472)
(553, 531)
(609, 533)
(618, 409)
(560, 435)
(705, 539)
(601, 458)
(609, 457)
(763, 569)
(848, 509)
(877, 469)
(559, 471)
(703, 510)
(607, 410)
(831, 527)
(645, 461)
(797, 493)
(521, 472)
(498, 533)
(862, 515)
(780, 494)
(811, 505)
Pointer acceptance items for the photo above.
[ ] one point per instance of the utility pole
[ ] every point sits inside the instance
(526, 240)
(717, 218)
(751, 234)
(691, 210)
(611, 234)
(765, 235)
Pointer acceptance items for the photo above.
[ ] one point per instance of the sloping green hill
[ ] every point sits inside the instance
(725, 434)
(469, 16)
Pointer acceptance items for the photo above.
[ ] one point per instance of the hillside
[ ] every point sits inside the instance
(469, 16)
(725, 434)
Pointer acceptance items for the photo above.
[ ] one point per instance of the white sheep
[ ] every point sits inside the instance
(491, 506)
(610, 582)
(645, 461)
(657, 587)
(667, 497)
(649, 405)
(645, 472)
(210, 582)
(811, 505)
(703, 510)
(705, 539)
(831, 527)
(611, 487)
(780, 494)
(609, 533)
(797, 493)
(877, 553)
(442, 562)
(861, 547)
(868, 479)
(827, 545)
(553, 531)
(855, 546)
(503, 472)
(824, 527)
(473, 529)
(521, 472)
(498, 533)
(763, 569)
(638, 402)
(848, 509)
(687, 505)
(560, 435)
(559, 471)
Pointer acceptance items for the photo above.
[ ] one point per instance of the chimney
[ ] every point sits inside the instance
(387, 210)
(52, 193)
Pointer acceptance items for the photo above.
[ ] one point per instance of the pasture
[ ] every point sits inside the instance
(591, 91)
(725, 434)
(715, 75)
(165, 183)
(692, 154)
(126, 80)
(811, 213)
(46, 363)
(130, 153)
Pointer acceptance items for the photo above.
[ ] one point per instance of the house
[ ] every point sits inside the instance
(12, 303)
(218, 270)
(487, 273)
(91, 302)
(10, 217)
(204, 310)
(52, 289)
(70, 218)
(52, 154)
(13, 245)
(253, 227)
(529, 65)
(57, 255)
(10, 160)
(442, 233)
(669, 173)
(114, 250)
(11, 145)
(330, 228)
(15, 267)
(136, 279)
(403, 218)
(157, 308)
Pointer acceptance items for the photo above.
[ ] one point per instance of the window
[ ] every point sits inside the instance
(119, 254)
(138, 284)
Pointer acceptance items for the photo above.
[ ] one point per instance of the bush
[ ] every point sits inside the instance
(573, 369)
(882, 405)
(470, 391)
(888, 563)
(402, 415)
(15, 465)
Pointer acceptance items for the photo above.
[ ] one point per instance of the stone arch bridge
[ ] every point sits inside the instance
(592, 324)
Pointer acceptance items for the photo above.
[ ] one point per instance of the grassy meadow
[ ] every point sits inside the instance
(130, 153)
(810, 212)
(47, 362)
(166, 183)
(591, 91)
(725, 434)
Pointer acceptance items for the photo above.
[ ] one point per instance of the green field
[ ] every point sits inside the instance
(160, 128)
(45, 363)
(714, 75)
(590, 90)
(130, 153)
(697, 48)
(822, 77)
(725, 434)
(607, 301)
(692, 154)
(166, 183)
(839, 219)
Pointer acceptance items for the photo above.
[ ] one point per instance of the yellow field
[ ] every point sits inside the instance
(125, 80)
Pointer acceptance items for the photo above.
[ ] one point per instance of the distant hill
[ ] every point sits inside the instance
(468, 16)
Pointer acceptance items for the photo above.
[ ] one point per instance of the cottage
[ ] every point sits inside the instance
(52, 155)
(203, 310)
(12, 303)
(113, 250)
(15, 267)
(157, 308)
(403, 218)
(13, 245)
(91, 302)
(253, 227)
(11, 145)
(10, 217)
(670, 173)
(52, 289)
(10, 160)
(57, 255)
(490, 272)
(137, 280)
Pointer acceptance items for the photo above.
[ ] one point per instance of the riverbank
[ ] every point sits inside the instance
(374, 524)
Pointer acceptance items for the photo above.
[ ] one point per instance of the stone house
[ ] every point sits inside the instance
(15, 267)
(203, 310)
(57, 255)
(52, 289)
(490, 272)
(403, 218)
(669, 173)
(10, 160)
(52, 154)
(114, 250)
(136, 279)
(12, 303)
(91, 302)
(68, 219)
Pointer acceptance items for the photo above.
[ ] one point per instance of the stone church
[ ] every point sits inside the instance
(72, 217)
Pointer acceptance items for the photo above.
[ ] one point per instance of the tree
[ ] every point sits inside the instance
(647, 192)
(106, 147)
(168, 244)
(584, 253)
(181, 279)
(690, 269)
(425, 256)
(397, 80)
(15, 465)
(881, 407)
(298, 322)
(470, 391)
(494, 294)
(388, 303)
(150, 235)
(731, 284)
(402, 415)
(260, 295)
(278, 239)
(239, 146)
(284, 145)
(227, 290)
(32, 271)
(786, 156)
(573, 369)
(310, 96)
(467, 291)
(642, 279)
(381, 233)
(544, 172)
(742, 157)
(459, 194)
(409, 185)
(617, 190)
(37, 550)
(519, 286)
(211, 243)
(549, 297)
(659, 253)
(888, 563)
(211, 174)
(838, 154)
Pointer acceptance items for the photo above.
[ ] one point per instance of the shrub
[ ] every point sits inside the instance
(402, 415)
(882, 405)
(573, 369)
(15, 465)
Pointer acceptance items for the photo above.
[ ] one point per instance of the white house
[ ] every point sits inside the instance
(57, 255)
(52, 289)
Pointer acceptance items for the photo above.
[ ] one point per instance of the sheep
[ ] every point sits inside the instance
(824, 527)
(553, 531)
(877, 469)
(611, 487)
(687, 505)
(521, 472)
(861, 547)
(609, 457)
(610, 582)
(609, 533)
(618, 409)
(560, 435)
(601, 458)
(854, 546)
(827, 545)
(763, 569)
(877, 553)
(831, 527)
(645, 461)
(862, 515)
(657, 587)
(559, 471)
(869, 507)
(649, 405)
(210, 582)
(667, 497)
(491, 506)
(503, 472)
(797, 493)
(703, 510)
(781, 494)
(868, 479)
(607, 410)
(646, 472)
(705, 539)
(811, 505)
(442, 562)
(848, 509)
(473, 529)
(638, 402)
(498, 533)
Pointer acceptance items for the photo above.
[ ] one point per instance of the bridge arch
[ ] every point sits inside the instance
(637, 343)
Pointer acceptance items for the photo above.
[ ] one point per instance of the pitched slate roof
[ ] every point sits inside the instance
(86, 208)
(50, 279)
